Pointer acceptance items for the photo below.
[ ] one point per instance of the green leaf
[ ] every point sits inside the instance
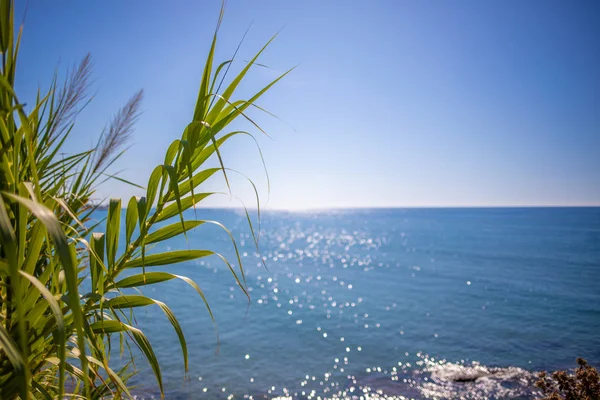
(11, 349)
(142, 210)
(153, 182)
(172, 209)
(108, 326)
(60, 326)
(8, 236)
(6, 28)
(131, 219)
(144, 345)
(114, 376)
(128, 301)
(74, 371)
(233, 111)
(186, 186)
(148, 278)
(113, 225)
(215, 111)
(64, 252)
(66, 207)
(171, 257)
(178, 331)
(112, 326)
(112, 176)
(153, 277)
(170, 231)
(202, 104)
(205, 153)
(36, 241)
(172, 151)
(41, 390)
(96, 262)
(175, 189)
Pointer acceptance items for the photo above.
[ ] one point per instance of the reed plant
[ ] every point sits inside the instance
(65, 280)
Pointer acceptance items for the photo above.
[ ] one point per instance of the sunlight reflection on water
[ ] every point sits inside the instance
(349, 304)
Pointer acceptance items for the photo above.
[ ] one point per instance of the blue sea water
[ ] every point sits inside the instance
(382, 303)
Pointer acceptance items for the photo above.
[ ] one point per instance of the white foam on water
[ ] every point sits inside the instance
(475, 381)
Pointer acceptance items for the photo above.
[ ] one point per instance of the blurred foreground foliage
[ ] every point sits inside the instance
(68, 287)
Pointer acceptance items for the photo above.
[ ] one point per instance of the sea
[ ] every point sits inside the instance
(462, 303)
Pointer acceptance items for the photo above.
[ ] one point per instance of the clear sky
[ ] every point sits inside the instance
(394, 103)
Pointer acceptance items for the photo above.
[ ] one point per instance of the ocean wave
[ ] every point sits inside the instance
(446, 380)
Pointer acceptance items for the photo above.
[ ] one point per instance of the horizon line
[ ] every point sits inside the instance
(338, 208)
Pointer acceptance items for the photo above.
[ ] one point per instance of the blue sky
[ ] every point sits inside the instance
(394, 103)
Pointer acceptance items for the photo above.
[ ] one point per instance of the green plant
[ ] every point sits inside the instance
(583, 385)
(55, 339)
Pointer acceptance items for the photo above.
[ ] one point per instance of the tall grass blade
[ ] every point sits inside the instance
(171, 257)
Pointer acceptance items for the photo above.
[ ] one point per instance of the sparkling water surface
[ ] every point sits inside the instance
(386, 303)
